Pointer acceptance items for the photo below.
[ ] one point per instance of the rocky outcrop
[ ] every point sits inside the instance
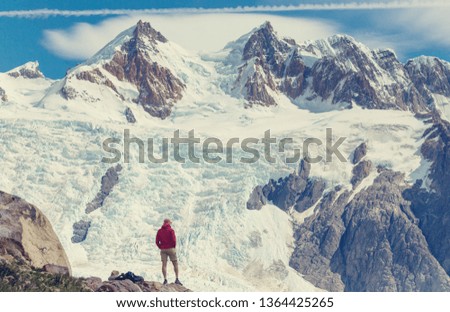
(80, 231)
(97, 77)
(26, 235)
(257, 199)
(29, 70)
(429, 75)
(382, 235)
(109, 180)
(360, 172)
(129, 286)
(159, 89)
(337, 70)
(432, 206)
(297, 191)
(359, 153)
(126, 285)
(3, 95)
(273, 63)
(318, 238)
(371, 242)
(129, 115)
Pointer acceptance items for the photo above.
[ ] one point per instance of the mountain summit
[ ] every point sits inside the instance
(132, 68)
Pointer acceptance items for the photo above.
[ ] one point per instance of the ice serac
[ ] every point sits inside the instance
(158, 87)
(26, 235)
(29, 70)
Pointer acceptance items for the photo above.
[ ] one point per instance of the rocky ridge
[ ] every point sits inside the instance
(376, 238)
(337, 70)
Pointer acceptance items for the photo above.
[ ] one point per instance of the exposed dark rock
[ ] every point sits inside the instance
(80, 231)
(432, 207)
(359, 153)
(158, 87)
(370, 243)
(97, 77)
(3, 95)
(270, 58)
(297, 190)
(429, 75)
(382, 248)
(109, 180)
(129, 115)
(29, 70)
(27, 236)
(344, 73)
(360, 172)
(257, 199)
(317, 239)
(68, 92)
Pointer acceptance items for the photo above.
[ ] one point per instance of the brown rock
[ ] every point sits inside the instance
(56, 269)
(27, 235)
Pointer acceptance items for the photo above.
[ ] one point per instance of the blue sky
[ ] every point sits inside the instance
(59, 42)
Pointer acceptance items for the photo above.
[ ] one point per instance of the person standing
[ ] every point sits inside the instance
(166, 241)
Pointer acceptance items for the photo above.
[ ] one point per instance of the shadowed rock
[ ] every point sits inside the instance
(297, 190)
(129, 115)
(360, 172)
(359, 153)
(432, 206)
(109, 180)
(80, 231)
(3, 95)
(369, 243)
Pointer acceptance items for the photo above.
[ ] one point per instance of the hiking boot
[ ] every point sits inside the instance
(177, 281)
(165, 282)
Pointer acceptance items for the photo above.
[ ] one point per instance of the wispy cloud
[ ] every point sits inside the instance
(82, 40)
(44, 13)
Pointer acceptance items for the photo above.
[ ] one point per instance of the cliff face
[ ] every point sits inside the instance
(386, 236)
(27, 235)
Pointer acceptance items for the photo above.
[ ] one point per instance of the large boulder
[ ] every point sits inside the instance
(26, 235)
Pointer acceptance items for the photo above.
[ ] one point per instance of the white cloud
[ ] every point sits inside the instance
(396, 4)
(196, 32)
(423, 27)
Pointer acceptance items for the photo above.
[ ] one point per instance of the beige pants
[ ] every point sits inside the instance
(170, 253)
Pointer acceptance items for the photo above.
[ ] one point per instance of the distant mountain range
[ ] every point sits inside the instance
(379, 222)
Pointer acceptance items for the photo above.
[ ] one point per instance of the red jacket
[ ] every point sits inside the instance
(165, 238)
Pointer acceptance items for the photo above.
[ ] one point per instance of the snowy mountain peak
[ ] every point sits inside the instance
(136, 67)
(144, 30)
(28, 70)
(264, 42)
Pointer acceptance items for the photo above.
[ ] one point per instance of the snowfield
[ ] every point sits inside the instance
(51, 151)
